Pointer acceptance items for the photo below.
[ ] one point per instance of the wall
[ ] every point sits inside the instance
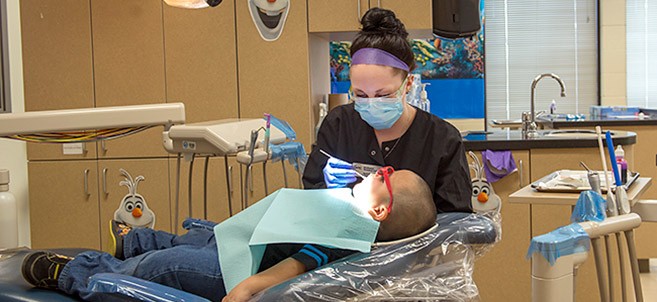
(12, 153)
(612, 53)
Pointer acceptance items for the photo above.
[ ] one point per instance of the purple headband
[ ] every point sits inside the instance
(377, 57)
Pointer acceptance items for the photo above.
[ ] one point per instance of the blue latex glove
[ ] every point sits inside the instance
(338, 173)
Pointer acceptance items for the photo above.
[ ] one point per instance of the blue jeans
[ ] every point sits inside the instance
(188, 262)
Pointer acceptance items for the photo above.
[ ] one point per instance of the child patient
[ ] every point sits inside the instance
(400, 200)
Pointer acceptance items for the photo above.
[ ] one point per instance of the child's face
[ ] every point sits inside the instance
(371, 191)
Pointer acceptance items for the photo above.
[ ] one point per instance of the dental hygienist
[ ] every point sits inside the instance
(380, 128)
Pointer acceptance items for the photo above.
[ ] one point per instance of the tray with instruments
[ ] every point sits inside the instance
(575, 181)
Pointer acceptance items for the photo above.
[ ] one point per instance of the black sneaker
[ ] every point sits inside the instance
(117, 231)
(42, 269)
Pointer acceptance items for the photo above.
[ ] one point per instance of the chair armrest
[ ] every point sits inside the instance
(128, 288)
(469, 228)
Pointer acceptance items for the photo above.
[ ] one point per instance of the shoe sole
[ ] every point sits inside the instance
(116, 240)
(49, 282)
(27, 271)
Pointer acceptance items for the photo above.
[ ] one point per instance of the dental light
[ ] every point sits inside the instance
(192, 4)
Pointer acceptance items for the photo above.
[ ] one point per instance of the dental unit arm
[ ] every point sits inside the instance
(553, 282)
(66, 124)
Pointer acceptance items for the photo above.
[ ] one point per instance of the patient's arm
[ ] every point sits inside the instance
(276, 274)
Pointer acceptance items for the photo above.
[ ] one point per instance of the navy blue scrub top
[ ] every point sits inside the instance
(431, 147)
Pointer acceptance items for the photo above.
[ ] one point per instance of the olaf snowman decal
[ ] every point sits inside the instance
(483, 196)
(133, 210)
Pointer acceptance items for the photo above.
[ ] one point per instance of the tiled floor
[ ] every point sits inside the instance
(649, 282)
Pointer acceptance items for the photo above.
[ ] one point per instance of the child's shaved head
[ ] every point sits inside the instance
(413, 210)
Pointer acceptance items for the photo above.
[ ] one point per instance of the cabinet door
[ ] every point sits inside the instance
(274, 76)
(154, 189)
(415, 14)
(218, 190)
(128, 51)
(507, 257)
(335, 15)
(57, 66)
(64, 204)
(201, 61)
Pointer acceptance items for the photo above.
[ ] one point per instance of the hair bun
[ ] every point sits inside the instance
(382, 21)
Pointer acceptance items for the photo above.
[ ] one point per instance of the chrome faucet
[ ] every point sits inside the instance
(529, 127)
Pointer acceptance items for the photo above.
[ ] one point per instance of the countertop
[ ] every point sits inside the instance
(556, 123)
(513, 140)
(531, 196)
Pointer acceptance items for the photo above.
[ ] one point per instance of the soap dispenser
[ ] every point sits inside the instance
(8, 214)
(425, 104)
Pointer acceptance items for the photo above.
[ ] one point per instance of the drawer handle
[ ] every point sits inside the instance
(358, 17)
(105, 181)
(86, 183)
(520, 172)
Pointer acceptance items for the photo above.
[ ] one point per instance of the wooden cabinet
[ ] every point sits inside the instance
(57, 63)
(64, 204)
(218, 189)
(415, 14)
(81, 54)
(335, 15)
(344, 15)
(72, 202)
(128, 61)
(201, 61)
(154, 189)
(507, 257)
(274, 77)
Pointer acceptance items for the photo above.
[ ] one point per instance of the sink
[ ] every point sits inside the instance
(507, 122)
(572, 133)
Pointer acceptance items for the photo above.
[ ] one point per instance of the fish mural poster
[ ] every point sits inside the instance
(453, 68)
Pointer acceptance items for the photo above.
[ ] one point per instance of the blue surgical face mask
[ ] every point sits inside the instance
(381, 112)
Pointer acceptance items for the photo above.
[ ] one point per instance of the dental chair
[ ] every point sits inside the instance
(437, 265)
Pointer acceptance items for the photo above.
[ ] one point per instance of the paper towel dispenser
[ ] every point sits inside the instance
(456, 18)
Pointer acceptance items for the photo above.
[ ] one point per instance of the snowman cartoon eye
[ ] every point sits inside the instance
(475, 191)
(139, 205)
(129, 206)
(485, 189)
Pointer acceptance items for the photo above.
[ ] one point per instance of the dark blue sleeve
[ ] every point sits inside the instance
(313, 256)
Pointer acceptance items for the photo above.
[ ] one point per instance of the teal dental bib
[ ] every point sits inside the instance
(328, 217)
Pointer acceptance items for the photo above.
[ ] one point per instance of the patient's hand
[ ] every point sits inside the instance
(241, 292)
(276, 274)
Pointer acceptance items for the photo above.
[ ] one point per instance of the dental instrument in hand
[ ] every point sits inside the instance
(593, 177)
(331, 156)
